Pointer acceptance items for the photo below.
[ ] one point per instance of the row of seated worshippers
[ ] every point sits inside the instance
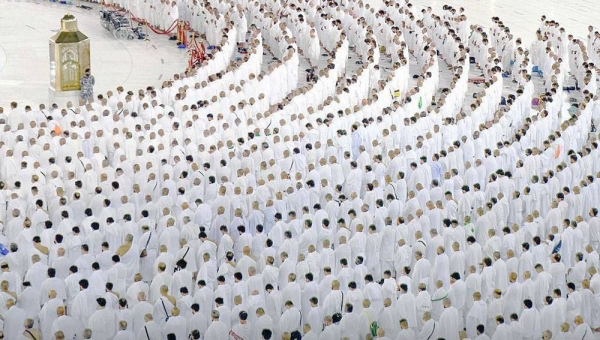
(341, 212)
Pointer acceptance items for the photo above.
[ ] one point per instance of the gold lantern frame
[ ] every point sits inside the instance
(69, 56)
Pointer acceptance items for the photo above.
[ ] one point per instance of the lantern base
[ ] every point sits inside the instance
(62, 97)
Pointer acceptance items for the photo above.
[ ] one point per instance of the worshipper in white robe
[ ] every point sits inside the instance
(449, 321)
(243, 329)
(150, 330)
(350, 324)
(14, 319)
(103, 322)
(48, 312)
(67, 324)
(290, 319)
(29, 300)
(387, 318)
(334, 301)
(29, 331)
(477, 315)
(217, 329)
(503, 331)
(430, 329)
(160, 169)
(83, 304)
(421, 271)
(440, 269)
(582, 329)
(330, 331)
(437, 300)
(163, 306)
(176, 324)
(148, 246)
(405, 332)
(138, 312)
(530, 316)
(118, 275)
(162, 279)
(123, 333)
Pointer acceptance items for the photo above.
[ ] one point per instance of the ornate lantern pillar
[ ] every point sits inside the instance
(69, 58)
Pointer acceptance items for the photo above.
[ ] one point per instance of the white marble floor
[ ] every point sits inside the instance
(26, 25)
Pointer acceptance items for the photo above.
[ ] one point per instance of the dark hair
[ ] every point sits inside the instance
(266, 334)
(101, 302)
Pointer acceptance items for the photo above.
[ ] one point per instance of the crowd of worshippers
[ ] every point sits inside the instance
(361, 205)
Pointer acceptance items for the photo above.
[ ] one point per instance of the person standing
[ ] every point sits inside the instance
(87, 85)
